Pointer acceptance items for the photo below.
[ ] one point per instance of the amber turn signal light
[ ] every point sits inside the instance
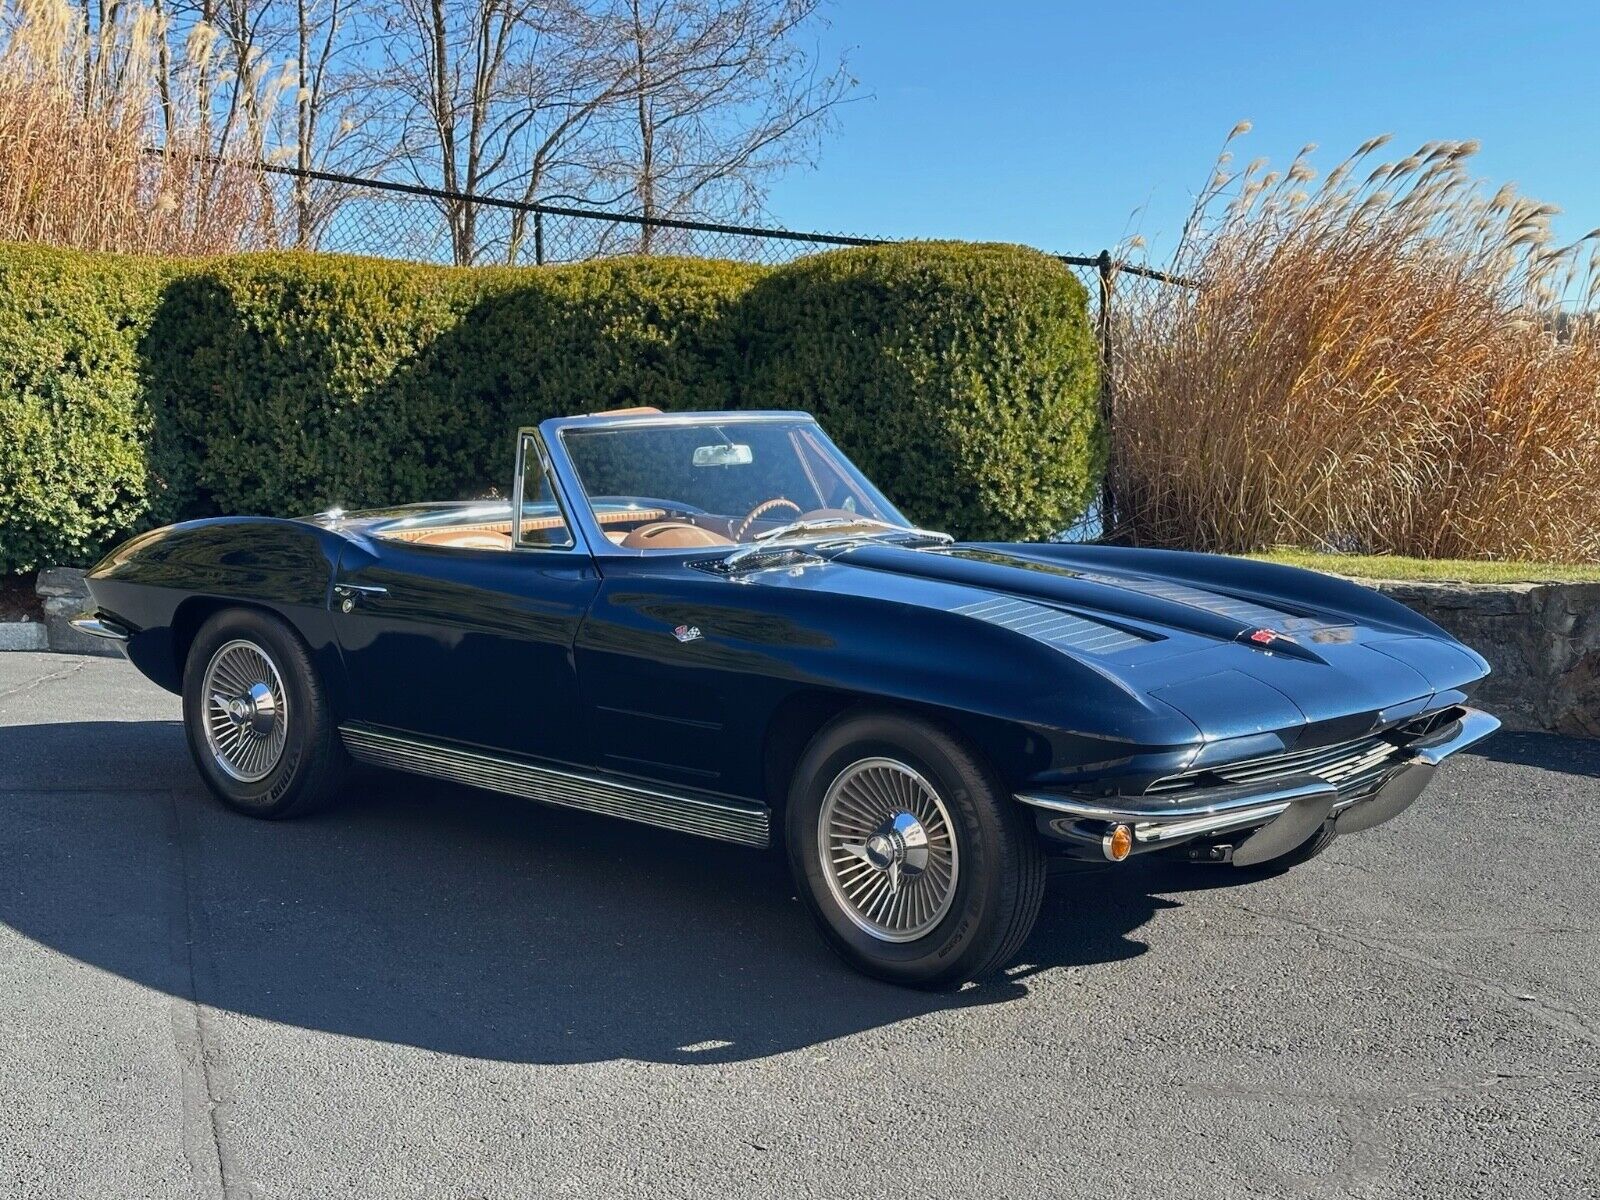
(1117, 844)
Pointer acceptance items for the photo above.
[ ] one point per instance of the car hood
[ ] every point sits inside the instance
(1232, 661)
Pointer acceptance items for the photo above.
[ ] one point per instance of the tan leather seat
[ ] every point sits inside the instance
(466, 539)
(672, 535)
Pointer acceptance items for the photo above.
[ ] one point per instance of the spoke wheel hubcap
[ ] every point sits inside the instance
(246, 711)
(888, 849)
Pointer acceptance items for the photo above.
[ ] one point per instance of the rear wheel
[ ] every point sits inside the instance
(257, 717)
(916, 866)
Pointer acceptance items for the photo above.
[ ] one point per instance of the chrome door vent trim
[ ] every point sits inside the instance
(649, 806)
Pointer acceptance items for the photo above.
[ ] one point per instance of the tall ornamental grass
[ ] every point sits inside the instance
(77, 113)
(1392, 360)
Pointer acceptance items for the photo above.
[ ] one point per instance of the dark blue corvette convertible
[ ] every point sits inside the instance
(713, 623)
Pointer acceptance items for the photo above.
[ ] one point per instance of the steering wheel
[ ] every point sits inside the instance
(761, 510)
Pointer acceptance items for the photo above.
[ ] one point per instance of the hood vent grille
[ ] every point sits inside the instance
(1245, 611)
(1051, 626)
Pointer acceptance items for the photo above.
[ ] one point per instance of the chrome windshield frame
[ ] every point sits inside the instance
(581, 510)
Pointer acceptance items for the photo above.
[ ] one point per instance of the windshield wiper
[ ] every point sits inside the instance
(763, 543)
(914, 534)
(817, 523)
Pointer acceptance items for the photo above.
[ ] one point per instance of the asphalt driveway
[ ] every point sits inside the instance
(432, 992)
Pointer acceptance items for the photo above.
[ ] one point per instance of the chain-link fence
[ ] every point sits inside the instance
(319, 210)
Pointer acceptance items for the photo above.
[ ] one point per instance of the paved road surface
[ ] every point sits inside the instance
(438, 993)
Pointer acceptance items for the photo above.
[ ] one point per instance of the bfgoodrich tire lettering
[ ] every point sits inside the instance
(997, 888)
(249, 669)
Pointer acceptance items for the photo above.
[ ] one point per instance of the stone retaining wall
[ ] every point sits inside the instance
(1542, 639)
(64, 595)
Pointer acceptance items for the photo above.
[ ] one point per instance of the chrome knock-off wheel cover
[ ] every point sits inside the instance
(888, 849)
(246, 711)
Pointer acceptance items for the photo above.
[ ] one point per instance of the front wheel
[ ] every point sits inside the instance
(916, 866)
(257, 717)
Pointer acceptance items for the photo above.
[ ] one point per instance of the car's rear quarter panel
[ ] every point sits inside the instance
(164, 584)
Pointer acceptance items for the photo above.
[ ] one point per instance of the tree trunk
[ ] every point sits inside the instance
(647, 138)
(303, 103)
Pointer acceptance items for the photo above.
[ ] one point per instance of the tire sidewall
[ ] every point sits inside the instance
(277, 791)
(966, 931)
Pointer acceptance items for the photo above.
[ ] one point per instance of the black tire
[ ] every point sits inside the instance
(297, 775)
(999, 871)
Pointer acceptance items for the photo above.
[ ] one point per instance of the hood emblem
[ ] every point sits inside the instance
(687, 633)
(1265, 637)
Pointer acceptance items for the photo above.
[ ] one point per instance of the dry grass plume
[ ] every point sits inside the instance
(1385, 361)
(77, 112)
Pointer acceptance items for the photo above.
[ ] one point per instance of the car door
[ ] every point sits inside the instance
(472, 645)
(681, 671)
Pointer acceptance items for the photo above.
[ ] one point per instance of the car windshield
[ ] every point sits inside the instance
(687, 485)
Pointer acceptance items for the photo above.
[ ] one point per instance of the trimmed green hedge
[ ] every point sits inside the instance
(962, 379)
(296, 382)
(134, 392)
(76, 427)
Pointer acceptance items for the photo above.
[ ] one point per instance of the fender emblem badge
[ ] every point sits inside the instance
(687, 633)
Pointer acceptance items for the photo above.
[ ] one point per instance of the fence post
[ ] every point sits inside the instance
(538, 237)
(1107, 388)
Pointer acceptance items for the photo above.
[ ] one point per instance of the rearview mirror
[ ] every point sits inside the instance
(729, 455)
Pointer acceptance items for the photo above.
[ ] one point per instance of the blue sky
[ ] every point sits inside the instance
(1067, 126)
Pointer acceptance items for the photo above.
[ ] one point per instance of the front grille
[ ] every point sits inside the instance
(1348, 766)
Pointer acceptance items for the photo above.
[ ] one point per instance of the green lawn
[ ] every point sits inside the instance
(1385, 566)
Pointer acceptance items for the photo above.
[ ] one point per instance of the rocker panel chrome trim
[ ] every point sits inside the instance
(566, 789)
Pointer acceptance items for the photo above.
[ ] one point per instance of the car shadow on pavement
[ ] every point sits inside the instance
(1548, 751)
(460, 921)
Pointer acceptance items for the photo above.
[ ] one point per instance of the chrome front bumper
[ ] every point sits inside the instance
(1287, 811)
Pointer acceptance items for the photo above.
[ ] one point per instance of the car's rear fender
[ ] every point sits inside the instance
(164, 584)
